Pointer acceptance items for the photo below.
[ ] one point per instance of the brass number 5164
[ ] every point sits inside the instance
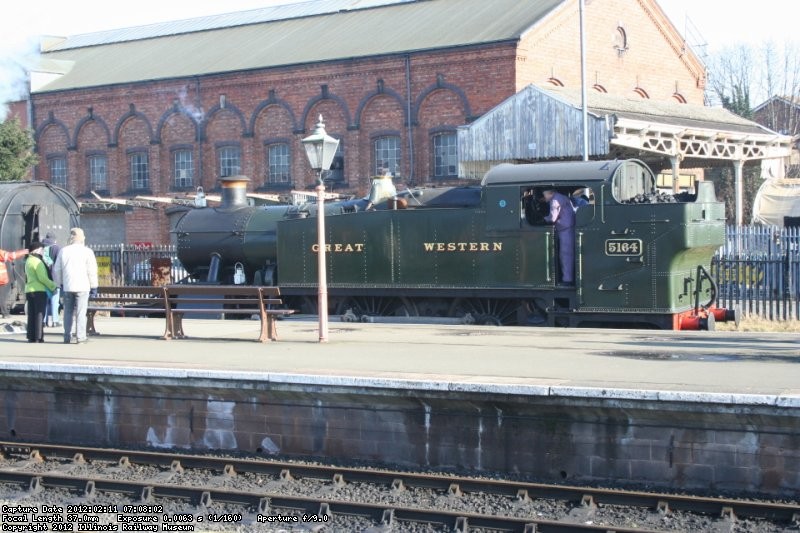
(624, 247)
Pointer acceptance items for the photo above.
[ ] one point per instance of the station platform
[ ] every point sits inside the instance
(683, 410)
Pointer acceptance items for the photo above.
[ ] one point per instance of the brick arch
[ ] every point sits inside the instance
(91, 117)
(272, 101)
(380, 91)
(321, 98)
(52, 121)
(176, 110)
(132, 113)
(216, 109)
(441, 85)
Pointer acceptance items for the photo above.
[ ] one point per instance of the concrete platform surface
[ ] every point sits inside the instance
(736, 368)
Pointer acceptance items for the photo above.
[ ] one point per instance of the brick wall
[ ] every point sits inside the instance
(654, 61)
(360, 100)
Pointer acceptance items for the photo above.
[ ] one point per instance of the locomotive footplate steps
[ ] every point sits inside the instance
(676, 410)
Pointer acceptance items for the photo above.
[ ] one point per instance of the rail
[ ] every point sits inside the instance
(398, 481)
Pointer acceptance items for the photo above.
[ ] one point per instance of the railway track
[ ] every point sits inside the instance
(265, 500)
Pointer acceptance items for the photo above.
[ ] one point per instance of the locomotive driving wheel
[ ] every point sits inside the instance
(487, 311)
(363, 306)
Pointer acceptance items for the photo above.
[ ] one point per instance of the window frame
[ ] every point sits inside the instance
(136, 153)
(439, 134)
(91, 158)
(269, 181)
(174, 152)
(377, 168)
(59, 157)
(222, 148)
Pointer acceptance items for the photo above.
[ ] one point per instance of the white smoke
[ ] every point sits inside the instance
(17, 57)
(183, 96)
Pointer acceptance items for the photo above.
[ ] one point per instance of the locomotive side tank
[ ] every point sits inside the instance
(29, 210)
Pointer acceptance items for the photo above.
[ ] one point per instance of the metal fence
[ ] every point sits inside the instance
(758, 271)
(124, 264)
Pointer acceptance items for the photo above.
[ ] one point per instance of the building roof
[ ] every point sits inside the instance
(790, 100)
(663, 112)
(555, 172)
(304, 33)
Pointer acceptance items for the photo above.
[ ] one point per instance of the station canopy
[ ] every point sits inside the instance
(545, 123)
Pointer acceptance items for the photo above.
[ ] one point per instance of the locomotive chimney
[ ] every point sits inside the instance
(234, 192)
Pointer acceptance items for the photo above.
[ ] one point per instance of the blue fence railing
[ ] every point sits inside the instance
(758, 271)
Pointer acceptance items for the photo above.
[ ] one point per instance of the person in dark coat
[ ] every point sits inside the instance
(562, 217)
(37, 286)
(51, 249)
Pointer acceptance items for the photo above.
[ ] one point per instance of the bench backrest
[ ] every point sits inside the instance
(223, 290)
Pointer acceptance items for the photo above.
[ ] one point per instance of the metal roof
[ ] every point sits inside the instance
(664, 112)
(559, 172)
(383, 28)
(225, 20)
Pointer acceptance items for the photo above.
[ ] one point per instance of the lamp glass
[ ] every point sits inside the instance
(320, 147)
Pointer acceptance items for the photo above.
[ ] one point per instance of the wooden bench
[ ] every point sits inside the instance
(227, 300)
(126, 299)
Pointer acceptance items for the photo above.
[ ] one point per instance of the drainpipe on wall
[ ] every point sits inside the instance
(408, 121)
(198, 106)
(31, 115)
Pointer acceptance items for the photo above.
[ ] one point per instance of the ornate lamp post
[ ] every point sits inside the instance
(320, 149)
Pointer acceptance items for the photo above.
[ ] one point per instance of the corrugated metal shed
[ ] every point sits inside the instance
(532, 125)
(394, 28)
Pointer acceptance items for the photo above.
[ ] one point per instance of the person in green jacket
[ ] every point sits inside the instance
(37, 286)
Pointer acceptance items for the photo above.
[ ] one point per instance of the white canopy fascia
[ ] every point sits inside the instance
(700, 143)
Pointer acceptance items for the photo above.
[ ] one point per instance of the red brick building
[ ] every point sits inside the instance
(161, 109)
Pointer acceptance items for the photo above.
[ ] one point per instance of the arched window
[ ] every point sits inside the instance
(555, 81)
(620, 40)
(641, 92)
(599, 88)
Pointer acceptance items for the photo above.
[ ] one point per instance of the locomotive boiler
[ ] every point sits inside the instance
(29, 210)
(482, 253)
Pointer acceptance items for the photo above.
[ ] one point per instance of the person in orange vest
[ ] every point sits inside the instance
(8, 256)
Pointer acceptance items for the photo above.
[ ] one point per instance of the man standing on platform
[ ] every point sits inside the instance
(562, 217)
(75, 271)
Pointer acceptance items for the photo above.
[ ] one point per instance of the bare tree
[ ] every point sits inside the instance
(780, 80)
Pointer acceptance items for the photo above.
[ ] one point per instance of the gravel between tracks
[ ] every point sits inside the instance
(611, 516)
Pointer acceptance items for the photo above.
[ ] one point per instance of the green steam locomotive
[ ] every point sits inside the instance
(482, 253)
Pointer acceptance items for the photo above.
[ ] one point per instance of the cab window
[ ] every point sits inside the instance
(535, 208)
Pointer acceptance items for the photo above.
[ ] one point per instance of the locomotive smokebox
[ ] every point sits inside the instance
(233, 232)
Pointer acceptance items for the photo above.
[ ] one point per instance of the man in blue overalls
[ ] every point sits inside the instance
(562, 217)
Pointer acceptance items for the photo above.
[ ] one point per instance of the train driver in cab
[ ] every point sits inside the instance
(562, 217)
(382, 189)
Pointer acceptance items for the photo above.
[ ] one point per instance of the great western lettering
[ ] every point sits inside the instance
(463, 246)
(340, 248)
